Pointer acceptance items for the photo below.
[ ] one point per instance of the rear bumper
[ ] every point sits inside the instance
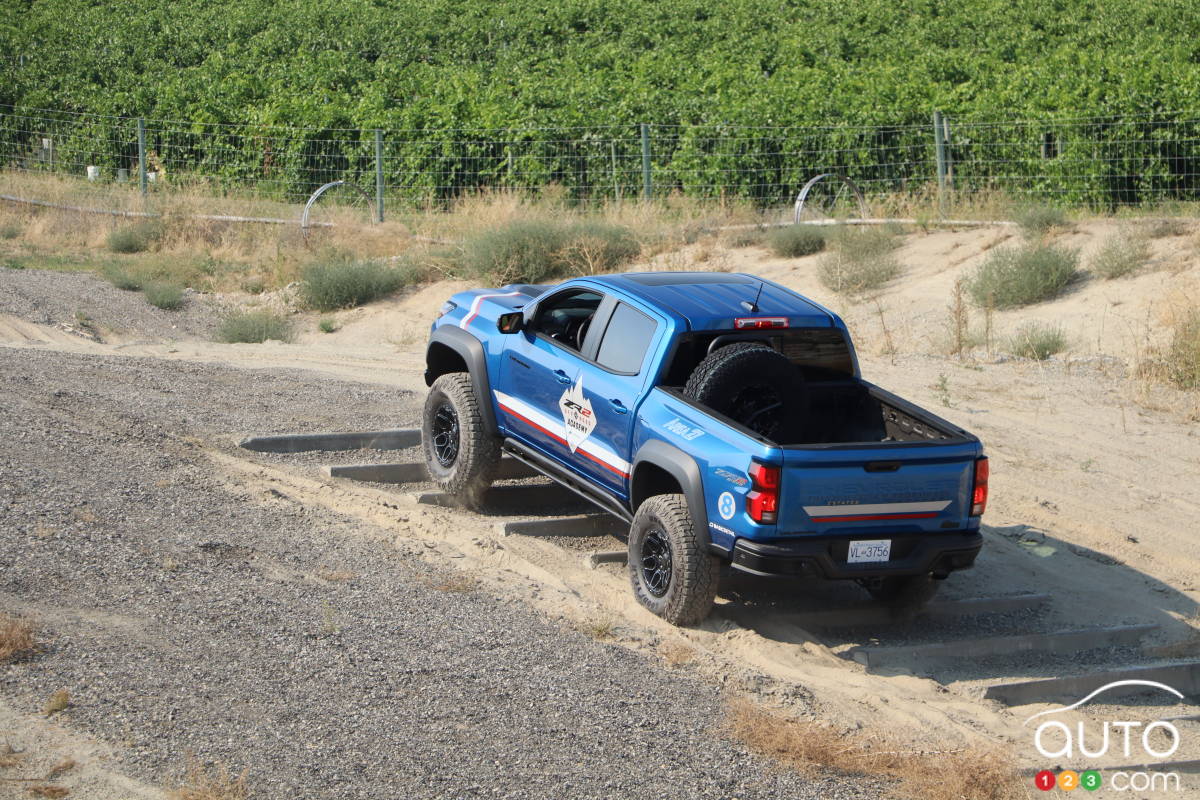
(825, 556)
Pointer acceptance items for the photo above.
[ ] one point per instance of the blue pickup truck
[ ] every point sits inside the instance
(722, 416)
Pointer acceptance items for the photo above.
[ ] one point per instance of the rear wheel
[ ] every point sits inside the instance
(460, 453)
(670, 570)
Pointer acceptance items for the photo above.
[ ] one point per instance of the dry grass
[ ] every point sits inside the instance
(967, 773)
(59, 701)
(9, 757)
(48, 790)
(16, 637)
(676, 654)
(1121, 254)
(203, 783)
(601, 627)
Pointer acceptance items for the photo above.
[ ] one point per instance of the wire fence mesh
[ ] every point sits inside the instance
(1101, 162)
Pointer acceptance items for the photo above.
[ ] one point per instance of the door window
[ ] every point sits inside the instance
(565, 318)
(626, 340)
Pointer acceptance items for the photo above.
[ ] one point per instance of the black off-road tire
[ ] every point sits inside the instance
(906, 594)
(752, 384)
(685, 594)
(468, 471)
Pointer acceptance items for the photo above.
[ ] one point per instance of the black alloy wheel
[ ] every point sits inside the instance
(445, 434)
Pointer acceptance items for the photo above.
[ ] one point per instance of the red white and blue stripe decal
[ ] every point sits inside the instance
(556, 429)
(870, 512)
(474, 311)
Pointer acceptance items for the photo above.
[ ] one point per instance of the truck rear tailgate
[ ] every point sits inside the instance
(867, 491)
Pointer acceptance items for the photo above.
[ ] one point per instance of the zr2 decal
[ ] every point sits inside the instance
(577, 414)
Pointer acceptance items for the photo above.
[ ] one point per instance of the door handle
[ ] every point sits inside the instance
(562, 376)
(618, 406)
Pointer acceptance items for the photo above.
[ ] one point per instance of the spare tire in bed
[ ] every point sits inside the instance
(754, 385)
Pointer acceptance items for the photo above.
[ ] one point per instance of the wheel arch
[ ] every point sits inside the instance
(451, 349)
(660, 466)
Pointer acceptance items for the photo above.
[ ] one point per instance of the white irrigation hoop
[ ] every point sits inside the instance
(304, 223)
(846, 184)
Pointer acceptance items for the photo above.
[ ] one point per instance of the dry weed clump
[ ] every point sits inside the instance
(975, 772)
(861, 260)
(59, 701)
(676, 654)
(202, 783)
(1037, 341)
(1121, 254)
(16, 637)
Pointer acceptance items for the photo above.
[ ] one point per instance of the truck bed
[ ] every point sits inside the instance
(851, 411)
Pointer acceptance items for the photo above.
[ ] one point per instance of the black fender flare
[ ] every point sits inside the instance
(686, 472)
(470, 350)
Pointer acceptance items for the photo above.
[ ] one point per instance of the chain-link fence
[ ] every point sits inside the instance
(1098, 162)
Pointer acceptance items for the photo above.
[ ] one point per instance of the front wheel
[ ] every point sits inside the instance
(461, 454)
(672, 573)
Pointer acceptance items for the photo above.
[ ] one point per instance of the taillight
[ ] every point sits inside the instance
(980, 494)
(759, 323)
(762, 501)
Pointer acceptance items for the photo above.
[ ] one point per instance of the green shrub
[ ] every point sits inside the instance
(1119, 255)
(860, 242)
(1018, 276)
(10, 231)
(861, 260)
(1183, 356)
(253, 286)
(136, 238)
(167, 296)
(1038, 220)
(530, 251)
(1037, 341)
(254, 326)
(328, 325)
(343, 283)
(13, 263)
(794, 241)
(120, 278)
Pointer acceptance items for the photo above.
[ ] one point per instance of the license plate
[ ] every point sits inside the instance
(870, 550)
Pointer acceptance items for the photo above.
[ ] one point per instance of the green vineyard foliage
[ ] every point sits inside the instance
(747, 97)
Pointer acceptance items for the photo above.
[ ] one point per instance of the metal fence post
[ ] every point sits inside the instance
(647, 182)
(939, 146)
(378, 175)
(142, 154)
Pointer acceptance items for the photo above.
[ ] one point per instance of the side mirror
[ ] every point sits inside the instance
(510, 322)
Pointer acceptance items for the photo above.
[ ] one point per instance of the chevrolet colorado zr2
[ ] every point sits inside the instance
(722, 416)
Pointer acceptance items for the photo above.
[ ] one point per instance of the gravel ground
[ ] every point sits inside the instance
(48, 298)
(183, 617)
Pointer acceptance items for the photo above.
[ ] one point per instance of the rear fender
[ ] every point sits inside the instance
(683, 468)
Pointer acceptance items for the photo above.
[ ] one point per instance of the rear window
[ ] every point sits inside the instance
(626, 340)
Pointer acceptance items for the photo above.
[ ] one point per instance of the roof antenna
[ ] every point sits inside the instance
(752, 307)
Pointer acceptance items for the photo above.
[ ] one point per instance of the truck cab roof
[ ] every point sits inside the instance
(712, 300)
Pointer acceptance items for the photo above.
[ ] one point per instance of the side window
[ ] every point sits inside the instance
(566, 317)
(626, 340)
